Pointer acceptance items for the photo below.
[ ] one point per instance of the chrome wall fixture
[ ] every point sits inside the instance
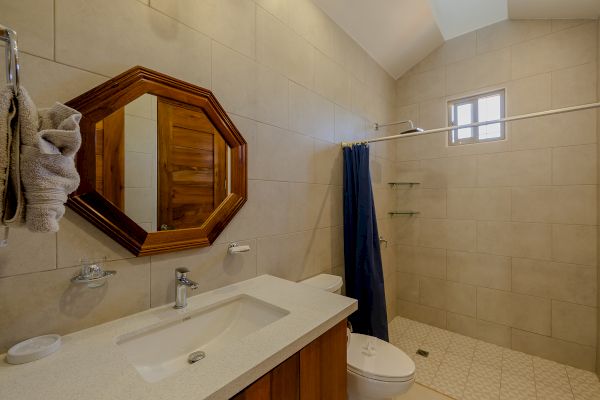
(12, 56)
(450, 128)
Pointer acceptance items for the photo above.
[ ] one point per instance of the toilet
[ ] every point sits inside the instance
(377, 370)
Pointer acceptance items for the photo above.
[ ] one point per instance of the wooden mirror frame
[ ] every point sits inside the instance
(105, 99)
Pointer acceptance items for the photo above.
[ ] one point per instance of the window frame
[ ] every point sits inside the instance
(473, 100)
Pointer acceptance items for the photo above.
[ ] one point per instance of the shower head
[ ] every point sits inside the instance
(412, 128)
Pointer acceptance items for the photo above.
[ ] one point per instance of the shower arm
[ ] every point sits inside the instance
(451, 128)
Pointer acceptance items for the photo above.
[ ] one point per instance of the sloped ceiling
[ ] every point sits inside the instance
(396, 33)
(400, 33)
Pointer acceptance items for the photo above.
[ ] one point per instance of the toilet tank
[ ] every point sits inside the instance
(331, 283)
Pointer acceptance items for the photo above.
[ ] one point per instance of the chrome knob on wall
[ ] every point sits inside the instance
(382, 240)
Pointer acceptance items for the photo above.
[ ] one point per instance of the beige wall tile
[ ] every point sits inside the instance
(555, 51)
(558, 204)
(552, 280)
(432, 292)
(479, 203)
(478, 72)
(311, 23)
(574, 244)
(529, 94)
(561, 351)
(34, 23)
(575, 85)
(230, 22)
(331, 80)
(574, 323)
(422, 260)
(184, 53)
(516, 239)
(407, 287)
(431, 203)
(287, 256)
(234, 79)
(276, 7)
(48, 82)
(450, 296)
(424, 86)
(517, 168)
(449, 172)
(311, 114)
(61, 307)
(460, 298)
(531, 167)
(479, 269)
(574, 165)
(494, 237)
(421, 313)
(460, 48)
(275, 162)
(272, 94)
(483, 330)
(550, 130)
(505, 33)
(516, 310)
(27, 252)
(451, 234)
(77, 238)
(562, 24)
(574, 204)
(211, 267)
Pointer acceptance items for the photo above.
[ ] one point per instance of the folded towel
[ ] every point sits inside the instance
(11, 197)
(49, 140)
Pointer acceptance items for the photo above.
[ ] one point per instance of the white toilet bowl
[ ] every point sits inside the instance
(377, 370)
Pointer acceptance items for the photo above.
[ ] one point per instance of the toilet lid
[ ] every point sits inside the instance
(374, 358)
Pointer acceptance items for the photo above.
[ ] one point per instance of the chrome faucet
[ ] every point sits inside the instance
(181, 284)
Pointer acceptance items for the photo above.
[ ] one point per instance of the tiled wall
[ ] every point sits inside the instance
(294, 84)
(141, 162)
(505, 246)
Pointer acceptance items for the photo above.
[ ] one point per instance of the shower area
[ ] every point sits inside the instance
(492, 245)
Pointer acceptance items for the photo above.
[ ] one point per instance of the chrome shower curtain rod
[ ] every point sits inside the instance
(496, 121)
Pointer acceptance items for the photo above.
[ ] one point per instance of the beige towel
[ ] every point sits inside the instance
(11, 197)
(49, 140)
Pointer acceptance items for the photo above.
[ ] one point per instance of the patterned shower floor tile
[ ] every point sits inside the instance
(464, 368)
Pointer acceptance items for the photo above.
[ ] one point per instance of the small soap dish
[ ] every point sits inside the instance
(92, 274)
(33, 349)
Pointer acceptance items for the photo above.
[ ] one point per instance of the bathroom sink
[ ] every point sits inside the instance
(162, 349)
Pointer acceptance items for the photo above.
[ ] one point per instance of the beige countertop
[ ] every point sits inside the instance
(90, 365)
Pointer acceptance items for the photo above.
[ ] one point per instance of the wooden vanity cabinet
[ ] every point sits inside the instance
(316, 372)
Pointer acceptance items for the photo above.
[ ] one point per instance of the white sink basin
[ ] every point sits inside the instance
(160, 350)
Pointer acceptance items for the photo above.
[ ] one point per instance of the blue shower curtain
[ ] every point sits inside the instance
(362, 255)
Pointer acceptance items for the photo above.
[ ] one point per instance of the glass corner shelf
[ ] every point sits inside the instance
(411, 184)
(392, 213)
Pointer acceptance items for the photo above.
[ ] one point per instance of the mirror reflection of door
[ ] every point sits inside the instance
(192, 160)
(163, 163)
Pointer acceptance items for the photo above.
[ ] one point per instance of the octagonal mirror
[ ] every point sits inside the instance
(162, 166)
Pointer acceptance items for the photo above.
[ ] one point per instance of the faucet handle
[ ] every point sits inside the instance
(181, 272)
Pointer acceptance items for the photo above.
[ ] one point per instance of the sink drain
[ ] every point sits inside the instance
(196, 356)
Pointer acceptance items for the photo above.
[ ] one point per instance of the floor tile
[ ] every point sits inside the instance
(464, 368)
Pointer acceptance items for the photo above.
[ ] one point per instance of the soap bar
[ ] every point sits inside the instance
(33, 349)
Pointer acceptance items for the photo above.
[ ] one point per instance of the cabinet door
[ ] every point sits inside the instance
(259, 390)
(323, 366)
(279, 384)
